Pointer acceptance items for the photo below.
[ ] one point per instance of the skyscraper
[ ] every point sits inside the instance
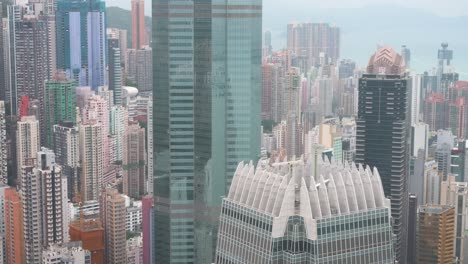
(27, 143)
(140, 68)
(3, 86)
(115, 70)
(383, 133)
(283, 213)
(67, 154)
(435, 234)
(81, 41)
(91, 156)
(3, 146)
(310, 40)
(113, 215)
(134, 162)
(60, 104)
(13, 227)
(138, 24)
(121, 35)
(41, 193)
(28, 57)
(207, 78)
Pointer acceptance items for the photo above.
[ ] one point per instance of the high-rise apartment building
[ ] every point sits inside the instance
(206, 117)
(135, 250)
(27, 143)
(383, 137)
(138, 24)
(91, 235)
(81, 41)
(435, 111)
(3, 86)
(113, 216)
(435, 234)
(140, 68)
(283, 213)
(97, 111)
(118, 125)
(28, 57)
(134, 162)
(272, 91)
(14, 235)
(41, 193)
(312, 40)
(67, 154)
(92, 160)
(115, 70)
(60, 104)
(3, 146)
(148, 229)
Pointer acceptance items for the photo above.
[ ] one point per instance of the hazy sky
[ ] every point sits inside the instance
(439, 7)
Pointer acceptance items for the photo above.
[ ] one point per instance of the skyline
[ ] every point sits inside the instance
(449, 8)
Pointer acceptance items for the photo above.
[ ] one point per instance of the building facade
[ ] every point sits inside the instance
(27, 143)
(134, 162)
(138, 24)
(81, 41)
(92, 160)
(60, 104)
(383, 137)
(283, 213)
(436, 232)
(113, 216)
(207, 78)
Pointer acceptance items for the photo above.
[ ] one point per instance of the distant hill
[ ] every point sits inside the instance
(121, 18)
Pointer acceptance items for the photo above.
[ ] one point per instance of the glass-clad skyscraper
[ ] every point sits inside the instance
(81, 41)
(207, 85)
(382, 136)
(283, 213)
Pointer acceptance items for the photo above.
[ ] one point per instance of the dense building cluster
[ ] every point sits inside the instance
(195, 141)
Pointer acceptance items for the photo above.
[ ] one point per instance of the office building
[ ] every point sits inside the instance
(206, 117)
(92, 160)
(311, 40)
(60, 104)
(147, 229)
(138, 24)
(435, 234)
(383, 133)
(27, 143)
(140, 68)
(81, 41)
(412, 227)
(455, 194)
(121, 35)
(91, 235)
(274, 207)
(14, 234)
(113, 216)
(70, 253)
(406, 55)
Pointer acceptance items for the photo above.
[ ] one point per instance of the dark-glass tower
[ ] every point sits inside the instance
(207, 85)
(382, 133)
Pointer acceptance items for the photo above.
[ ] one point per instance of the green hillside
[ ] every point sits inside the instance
(121, 18)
